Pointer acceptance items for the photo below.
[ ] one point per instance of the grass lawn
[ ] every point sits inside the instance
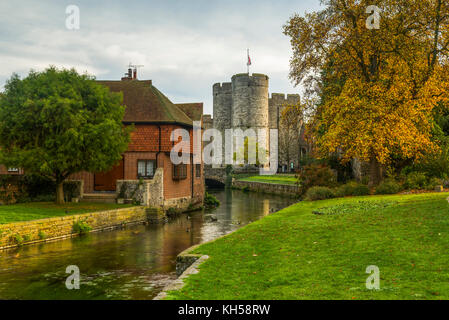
(41, 210)
(296, 254)
(276, 179)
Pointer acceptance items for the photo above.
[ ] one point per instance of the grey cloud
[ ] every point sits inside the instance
(186, 46)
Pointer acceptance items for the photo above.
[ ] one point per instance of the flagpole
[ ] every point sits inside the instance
(247, 63)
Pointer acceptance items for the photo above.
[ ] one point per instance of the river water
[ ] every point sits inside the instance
(133, 263)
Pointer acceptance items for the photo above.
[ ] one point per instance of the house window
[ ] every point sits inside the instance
(179, 171)
(13, 169)
(198, 170)
(146, 168)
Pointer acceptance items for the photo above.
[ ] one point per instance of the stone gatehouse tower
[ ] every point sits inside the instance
(245, 103)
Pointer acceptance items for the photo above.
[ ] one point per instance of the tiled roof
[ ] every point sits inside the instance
(146, 104)
(193, 110)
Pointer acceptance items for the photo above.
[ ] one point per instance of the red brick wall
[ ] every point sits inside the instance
(144, 146)
(146, 138)
(131, 159)
(174, 188)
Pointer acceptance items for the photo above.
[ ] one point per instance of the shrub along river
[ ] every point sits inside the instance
(133, 263)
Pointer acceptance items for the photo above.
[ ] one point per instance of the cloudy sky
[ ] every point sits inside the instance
(185, 45)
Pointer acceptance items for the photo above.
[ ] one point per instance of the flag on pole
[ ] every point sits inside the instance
(249, 60)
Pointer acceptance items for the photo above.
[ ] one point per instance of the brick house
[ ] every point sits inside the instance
(154, 118)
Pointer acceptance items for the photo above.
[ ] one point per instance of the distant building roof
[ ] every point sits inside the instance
(146, 104)
(193, 110)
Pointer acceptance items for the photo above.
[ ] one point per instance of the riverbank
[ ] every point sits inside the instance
(135, 262)
(40, 210)
(286, 179)
(270, 188)
(321, 250)
(69, 224)
(274, 184)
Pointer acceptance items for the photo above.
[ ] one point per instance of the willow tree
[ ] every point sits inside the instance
(381, 84)
(56, 122)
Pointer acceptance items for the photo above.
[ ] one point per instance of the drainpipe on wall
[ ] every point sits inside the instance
(160, 143)
(191, 172)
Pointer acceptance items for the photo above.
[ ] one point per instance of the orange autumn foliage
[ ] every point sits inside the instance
(383, 84)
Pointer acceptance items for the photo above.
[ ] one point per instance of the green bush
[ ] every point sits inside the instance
(416, 180)
(434, 164)
(319, 193)
(389, 187)
(40, 198)
(433, 183)
(34, 185)
(316, 175)
(9, 188)
(344, 171)
(42, 235)
(18, 239)
(361, 190)
(81, 227)
(352, 189)
(210, 201)
(171, 212)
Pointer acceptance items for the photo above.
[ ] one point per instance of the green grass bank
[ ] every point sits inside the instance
(320, 250)
(275, 179)
(40, 210)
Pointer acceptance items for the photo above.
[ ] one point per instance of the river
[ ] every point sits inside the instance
(132, 263)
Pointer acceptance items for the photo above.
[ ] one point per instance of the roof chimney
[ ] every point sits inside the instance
(128, 75)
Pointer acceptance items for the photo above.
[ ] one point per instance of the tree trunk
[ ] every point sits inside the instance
(60, 192)
(374, 171)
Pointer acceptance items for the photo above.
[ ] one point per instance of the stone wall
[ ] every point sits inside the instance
(249, 101)
(179, 204)
(143, 192)
(291, 143)
(245, 103)
(156, 189)
(135, 190)
(50, 229)
(281, 189)
(222, 108)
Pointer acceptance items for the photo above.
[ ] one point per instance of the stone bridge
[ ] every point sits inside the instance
(215, 177)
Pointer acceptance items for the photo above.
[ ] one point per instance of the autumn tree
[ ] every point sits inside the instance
(379, 85)
(56, 122)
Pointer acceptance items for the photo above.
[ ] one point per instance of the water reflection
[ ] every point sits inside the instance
(134, 263)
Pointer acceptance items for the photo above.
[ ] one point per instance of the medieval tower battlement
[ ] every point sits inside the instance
(245, 103)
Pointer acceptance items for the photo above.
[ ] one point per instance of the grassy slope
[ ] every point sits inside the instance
(295, 254)
(277, 179)
(40, 210)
